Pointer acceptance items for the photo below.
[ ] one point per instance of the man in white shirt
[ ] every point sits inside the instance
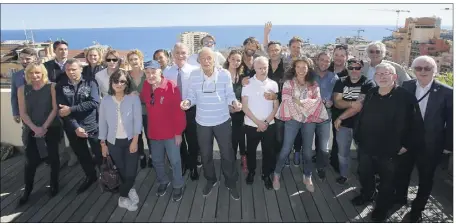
(208, 41)
(259, 120)
(180, 73)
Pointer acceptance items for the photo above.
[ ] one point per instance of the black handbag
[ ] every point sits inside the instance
(109, 178)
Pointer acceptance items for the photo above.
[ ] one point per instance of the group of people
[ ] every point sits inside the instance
(282, 101)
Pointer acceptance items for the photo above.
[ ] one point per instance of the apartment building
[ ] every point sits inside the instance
(192, 40)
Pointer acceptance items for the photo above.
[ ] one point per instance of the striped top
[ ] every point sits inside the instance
(211, 95)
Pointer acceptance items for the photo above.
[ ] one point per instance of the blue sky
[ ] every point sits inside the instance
(57, 16)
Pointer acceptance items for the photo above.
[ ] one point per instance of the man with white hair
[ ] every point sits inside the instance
(210, 89)
(388, 125)
(180, 73)
(435, 101)
(259, 120)
(376, 52)
(208, 41)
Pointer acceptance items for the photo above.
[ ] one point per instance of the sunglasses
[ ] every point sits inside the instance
(376, 51)
(121, 82)
(152, 98)
(341, 46)
(354, 68)
(419, 69)
(112, 59)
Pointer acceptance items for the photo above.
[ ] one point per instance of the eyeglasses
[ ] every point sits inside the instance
(354, 68)
(208, 42)
(205, 89)
(112, 60)
(152, 99)
(419, 69)
(376, 51)
(382, 74)
(121, 82)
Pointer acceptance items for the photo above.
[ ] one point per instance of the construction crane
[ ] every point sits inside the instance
(397, 11)
(358, 31)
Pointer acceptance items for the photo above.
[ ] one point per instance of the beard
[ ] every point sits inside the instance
(249, 53)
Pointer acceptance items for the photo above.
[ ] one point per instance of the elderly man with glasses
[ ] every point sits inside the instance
(210, 89)
(208, 41)
(376, 52)
(435, 101)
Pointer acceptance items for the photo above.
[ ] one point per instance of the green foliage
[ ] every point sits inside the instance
(446, 78)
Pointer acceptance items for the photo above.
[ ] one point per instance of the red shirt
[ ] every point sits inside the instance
(165, 117)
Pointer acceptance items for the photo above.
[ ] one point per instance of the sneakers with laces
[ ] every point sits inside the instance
(321, 174)
(162, 189)
(276, 182)
(234, 193)
(208, 188)
(308, 182)
(128, 204)
(133, 196)
(177, 194)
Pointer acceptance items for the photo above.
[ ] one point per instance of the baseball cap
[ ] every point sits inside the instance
(152, 64)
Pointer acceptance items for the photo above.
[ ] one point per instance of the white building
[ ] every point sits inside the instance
(192, 40)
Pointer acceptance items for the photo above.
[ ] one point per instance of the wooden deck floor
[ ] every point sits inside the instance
(292, 203)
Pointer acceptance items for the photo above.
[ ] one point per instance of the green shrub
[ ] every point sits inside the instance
(446, 78)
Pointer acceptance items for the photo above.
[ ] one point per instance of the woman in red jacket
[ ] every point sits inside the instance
(166, 122)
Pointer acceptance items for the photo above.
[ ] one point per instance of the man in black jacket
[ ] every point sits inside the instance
(388, 125)
(78, 99)
(436, 109)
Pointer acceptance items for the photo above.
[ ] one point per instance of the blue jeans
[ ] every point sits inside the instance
(322, 130)
(344, 138)
(291, 129)
(158, 160)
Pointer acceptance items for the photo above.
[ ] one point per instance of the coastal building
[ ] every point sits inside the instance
(192, 40)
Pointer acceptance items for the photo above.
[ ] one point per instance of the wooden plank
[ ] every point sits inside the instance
(294, 195)
(235, 211)
(309, 206)
(223, 204)
(331, 200)
(64, 191)
(144, 189)
(76, 203)
(108, 208)
(210, 204)
(45, 198)
(284, 201)
(149, 204)
(187, 200)
(197, 207)
(11, 211)
(173, 207)
(16, 163)
(119, 213)
(248, 211)
(259, 202)
(5, 164)
(162, 204)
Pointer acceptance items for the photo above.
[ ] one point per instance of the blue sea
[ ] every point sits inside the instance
(148, 39)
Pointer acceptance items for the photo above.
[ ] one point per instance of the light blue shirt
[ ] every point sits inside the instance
(211, 95)
(131, 113)
(326, 84)
(171, 73)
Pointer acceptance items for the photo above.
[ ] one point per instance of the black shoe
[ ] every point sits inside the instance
(143, 163)
(415, 217)
(341, 180)
(53, 190)
(361, 200)
(162, 189)
(194, 174)
(249, 178)
(86, 184)
(24, 198)
(267, 182)
(234, 193)
(378, 215)
(208, 188)
(177, 194)
(321, 174)
(149, 162)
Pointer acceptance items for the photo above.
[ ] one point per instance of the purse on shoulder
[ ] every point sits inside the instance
(109, 178)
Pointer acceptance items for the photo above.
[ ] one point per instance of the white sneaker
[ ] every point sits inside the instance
(308, 182)
(127, 203)
(133, 196)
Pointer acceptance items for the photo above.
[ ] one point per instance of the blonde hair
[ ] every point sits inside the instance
(31, 67)
(98, 50)
(139, 54)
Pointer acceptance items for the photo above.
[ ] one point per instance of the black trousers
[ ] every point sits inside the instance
(334, 158)
(385, 166)
(279, 133)
(238, 136)
(81, 149)
(267, 148)
(190, 147)
(222, 134)
(141, 145)
(33, 159)
(426, 164)
(126, 163)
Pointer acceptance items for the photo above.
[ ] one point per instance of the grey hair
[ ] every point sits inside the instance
(386, 66)
(378, 44)
(207, 49)
(180, 45)
(71, 61)
(426, 59)
(260, 58)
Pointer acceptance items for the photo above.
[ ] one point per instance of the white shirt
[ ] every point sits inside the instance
(371, 73)
(260, 107)
(420, 91)
(102, 78)
(120, 134)
(219, 59)
(171, 74)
